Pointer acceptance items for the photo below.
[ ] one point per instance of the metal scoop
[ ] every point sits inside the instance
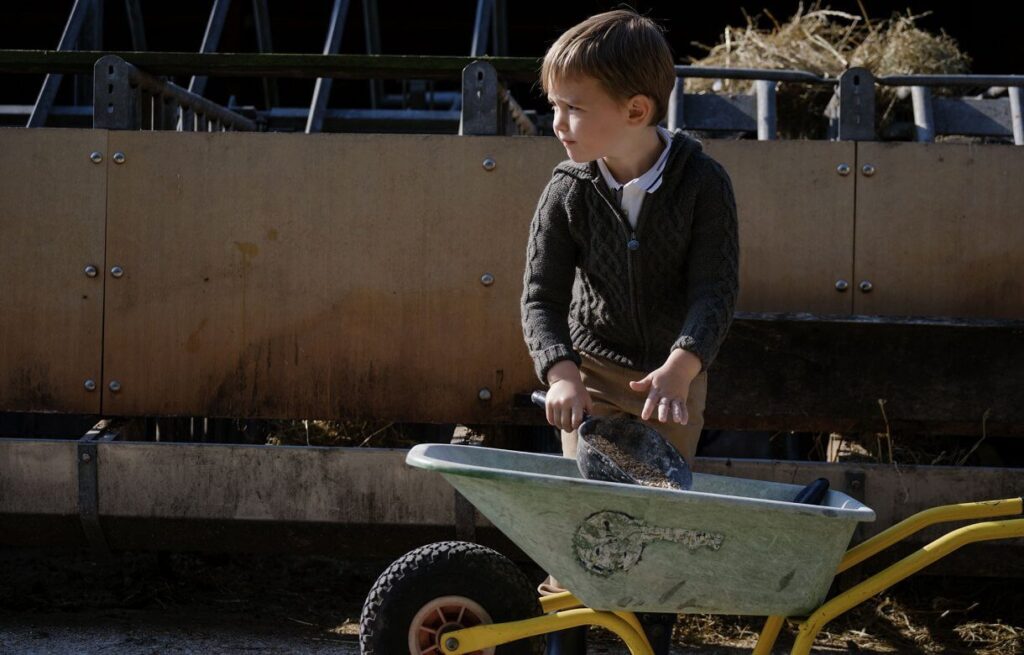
(624, 450)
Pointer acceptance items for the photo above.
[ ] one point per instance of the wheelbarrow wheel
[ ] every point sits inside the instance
(442, 587)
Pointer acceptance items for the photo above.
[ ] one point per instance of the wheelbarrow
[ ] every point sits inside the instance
(725, 546)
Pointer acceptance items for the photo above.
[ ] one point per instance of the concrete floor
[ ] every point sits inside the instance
(127, 633)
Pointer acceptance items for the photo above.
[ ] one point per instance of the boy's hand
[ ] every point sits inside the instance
(568, 399)
(668, 387)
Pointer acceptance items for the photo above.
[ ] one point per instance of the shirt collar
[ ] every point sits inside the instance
(649, 181)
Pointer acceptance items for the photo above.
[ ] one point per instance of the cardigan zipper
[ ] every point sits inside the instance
(632, 252)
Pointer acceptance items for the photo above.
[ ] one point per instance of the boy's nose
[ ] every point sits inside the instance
(560, 124)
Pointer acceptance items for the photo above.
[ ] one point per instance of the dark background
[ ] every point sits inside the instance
(988, 31)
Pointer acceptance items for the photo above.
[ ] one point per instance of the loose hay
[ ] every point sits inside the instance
(351, 432)
(827, 42)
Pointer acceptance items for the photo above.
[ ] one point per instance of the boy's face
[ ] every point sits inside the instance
(588, 121)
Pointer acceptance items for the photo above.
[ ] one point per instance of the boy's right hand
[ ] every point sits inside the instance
(568, 400)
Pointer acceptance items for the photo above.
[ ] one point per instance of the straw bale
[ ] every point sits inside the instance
(827, 42)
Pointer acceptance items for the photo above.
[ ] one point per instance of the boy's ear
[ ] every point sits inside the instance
(640, 108)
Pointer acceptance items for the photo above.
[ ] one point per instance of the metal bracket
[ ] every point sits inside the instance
(479, 100)
(851, 111)
(855, 481)
(855, 487)
(88, 486)
(488, 109)
(118, 106)
(127, 98)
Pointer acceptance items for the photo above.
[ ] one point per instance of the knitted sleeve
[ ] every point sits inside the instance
(547, 281)
(713, 269)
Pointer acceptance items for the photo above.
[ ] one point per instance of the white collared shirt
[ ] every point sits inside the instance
(631, 194)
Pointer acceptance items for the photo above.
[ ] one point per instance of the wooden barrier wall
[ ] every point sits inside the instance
(367, 502)
(53, 203)
(287, 275)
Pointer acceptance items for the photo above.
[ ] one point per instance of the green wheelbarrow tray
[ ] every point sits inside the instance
(726, 546)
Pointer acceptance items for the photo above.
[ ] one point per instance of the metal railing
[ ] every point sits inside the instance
(739, 112)
(983, 116)
(126, 98)
(491, 109)
(84, 30)
(851, 113)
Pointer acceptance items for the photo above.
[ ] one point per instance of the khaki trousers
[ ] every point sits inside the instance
(608, 385)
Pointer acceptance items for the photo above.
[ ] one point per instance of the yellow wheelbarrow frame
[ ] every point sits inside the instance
(563, 611)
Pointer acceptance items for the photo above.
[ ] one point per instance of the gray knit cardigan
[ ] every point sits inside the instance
(594, 284)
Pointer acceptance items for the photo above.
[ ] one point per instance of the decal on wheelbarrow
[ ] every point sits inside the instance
(607, 542)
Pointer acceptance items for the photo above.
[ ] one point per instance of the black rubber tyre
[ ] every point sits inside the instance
(447, 568)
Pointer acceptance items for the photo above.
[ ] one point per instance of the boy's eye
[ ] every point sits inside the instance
(554, 105)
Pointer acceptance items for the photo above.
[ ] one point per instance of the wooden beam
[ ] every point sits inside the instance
(337, 500)
(359, 67)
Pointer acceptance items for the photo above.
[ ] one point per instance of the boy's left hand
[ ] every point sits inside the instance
(668, 387)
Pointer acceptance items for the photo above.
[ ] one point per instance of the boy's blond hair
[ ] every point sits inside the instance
(624, 51)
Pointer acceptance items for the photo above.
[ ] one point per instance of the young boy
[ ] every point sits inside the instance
(631, 270)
